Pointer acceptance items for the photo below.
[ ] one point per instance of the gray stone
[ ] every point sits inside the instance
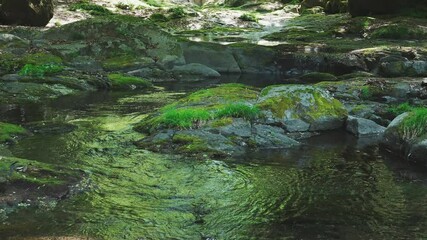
(239, 127)
(217, 57)
(363, 127)
(195, 69)
(418, 152)
(272, 137)
(296, 125)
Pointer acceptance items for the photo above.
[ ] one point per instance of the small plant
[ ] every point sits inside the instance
(40, 70)
(415, 124)
(238, 110)
(185, 118)
(248, 17)
(177, 12)
(92, 9)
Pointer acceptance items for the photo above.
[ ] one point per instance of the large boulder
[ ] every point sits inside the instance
(406, 136)
(301, 108)
(26, 12)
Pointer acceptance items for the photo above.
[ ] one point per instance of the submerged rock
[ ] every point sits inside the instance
(363, 127)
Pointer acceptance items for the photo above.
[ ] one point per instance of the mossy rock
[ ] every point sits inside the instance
(310, 108)
(315, 77)
(121, 81)
(8, 130)
(125, 62)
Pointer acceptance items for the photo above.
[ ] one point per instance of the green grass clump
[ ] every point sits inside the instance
(177, 12)
(415, 124)
(92, 9)
(401, 108)
(125, 81)
(7, 130)
(40, 70)
(185, 118)
(248, 17)
(238, 110)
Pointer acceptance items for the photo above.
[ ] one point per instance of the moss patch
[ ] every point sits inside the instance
(7, 131)
(318, 77)
(124, 81)
(91, 8)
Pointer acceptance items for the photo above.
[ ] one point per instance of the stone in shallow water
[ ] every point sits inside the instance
(363, 127)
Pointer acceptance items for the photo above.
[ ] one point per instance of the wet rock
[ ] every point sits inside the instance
(252, 58)
(193, 71)
(418, 151)
(11, 40)
(26, 12)
(239, 127)
(272, 137)
(217, 57)
(363, 127)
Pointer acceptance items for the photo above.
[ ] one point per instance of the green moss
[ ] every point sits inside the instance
(399, 32)
(153, 3)
(248, 17)
(415, 124)
(7, 130)
(359, 108)
(238, 110)
(10, 63)
(318, 77)
(42, 58)
(123, 62)
(40, 70)
(306, 102)
(125, 81)
(222, 122)
(91, 8)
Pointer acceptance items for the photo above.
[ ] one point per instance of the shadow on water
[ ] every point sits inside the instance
(331, 188)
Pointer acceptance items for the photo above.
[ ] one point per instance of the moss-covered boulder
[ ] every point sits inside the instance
(407, 135)
(301, 108)
(119, 42)
(221, 121)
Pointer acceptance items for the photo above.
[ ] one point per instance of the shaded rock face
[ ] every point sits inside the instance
(26, 12)
(363, 127)
(369, 7)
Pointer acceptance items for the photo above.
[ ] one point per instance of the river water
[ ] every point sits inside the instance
(331, 188)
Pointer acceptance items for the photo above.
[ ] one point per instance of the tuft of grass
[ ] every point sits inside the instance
(415, 124)
(40, 70)
(401, 108)
(248, 17)
(92, 9)
(7, 130)
(176, 13)
(185, 118)
(238, 110)
(125, 81)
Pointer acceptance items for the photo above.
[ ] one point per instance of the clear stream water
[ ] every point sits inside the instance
(331, 188)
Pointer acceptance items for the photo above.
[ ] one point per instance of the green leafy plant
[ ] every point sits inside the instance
(40, 70)
(238, 110)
